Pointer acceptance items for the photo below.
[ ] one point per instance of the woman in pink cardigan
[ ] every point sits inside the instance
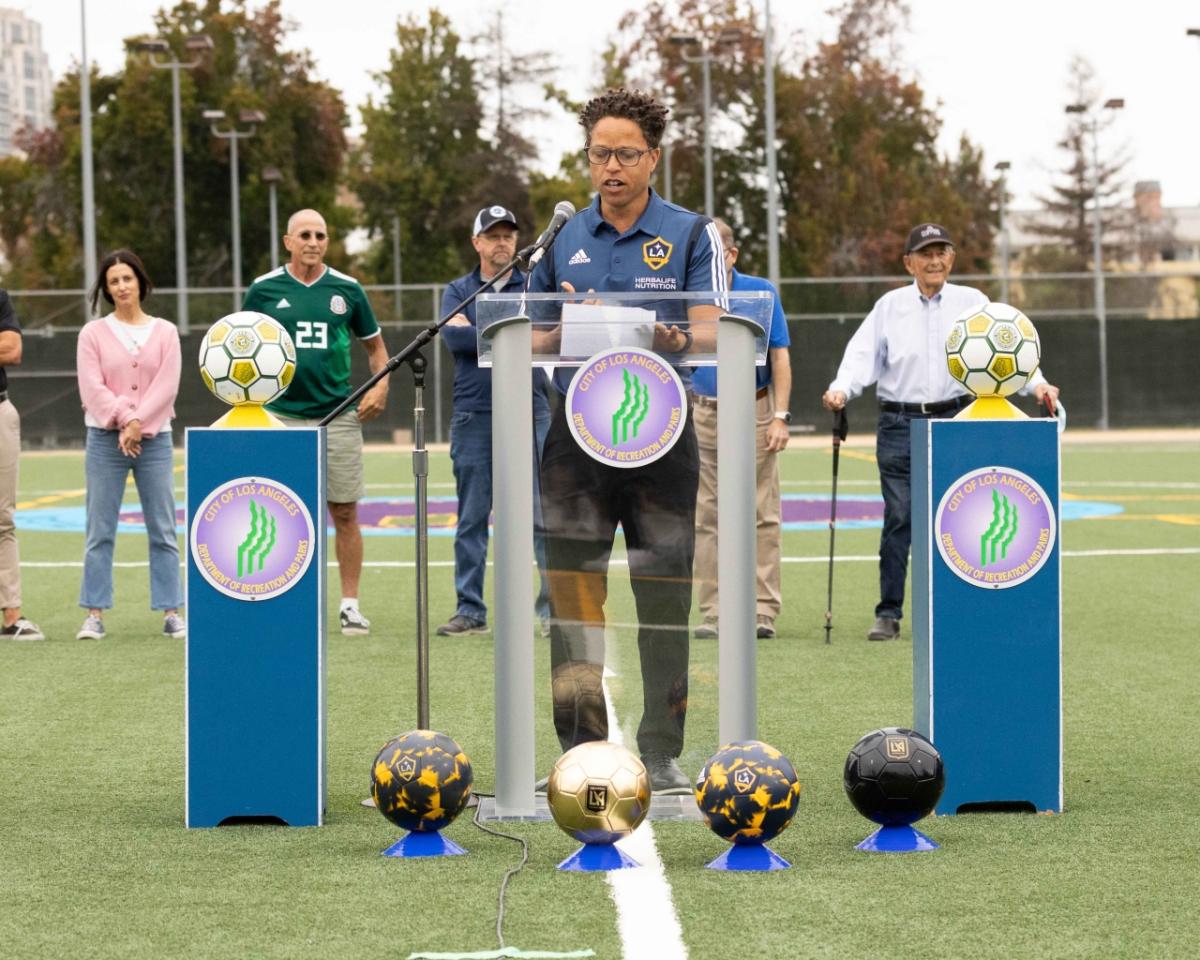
(128, 364)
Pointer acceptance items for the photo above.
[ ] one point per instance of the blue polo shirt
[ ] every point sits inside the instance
(669, 249)
(704, 379)
(472, 383)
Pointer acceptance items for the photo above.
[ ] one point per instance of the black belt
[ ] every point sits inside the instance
(704, 401)
(3, 395)
(925, 409)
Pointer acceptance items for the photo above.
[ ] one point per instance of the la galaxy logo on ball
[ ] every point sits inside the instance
(995, 527)
(252, 538)
(626, 407)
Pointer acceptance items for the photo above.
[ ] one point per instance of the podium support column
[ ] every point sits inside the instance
(736, 530)
(512, 621)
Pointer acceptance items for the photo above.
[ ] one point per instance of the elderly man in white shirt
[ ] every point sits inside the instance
(901, 347)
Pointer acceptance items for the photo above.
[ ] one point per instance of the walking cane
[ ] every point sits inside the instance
(840, 429)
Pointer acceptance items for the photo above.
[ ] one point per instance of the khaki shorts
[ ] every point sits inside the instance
(343, 455)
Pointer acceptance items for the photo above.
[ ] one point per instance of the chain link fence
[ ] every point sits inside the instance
(1153, 335)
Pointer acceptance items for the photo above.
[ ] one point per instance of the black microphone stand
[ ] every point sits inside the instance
(411, 354)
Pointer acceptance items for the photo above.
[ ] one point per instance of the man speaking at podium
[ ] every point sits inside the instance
(618, 244)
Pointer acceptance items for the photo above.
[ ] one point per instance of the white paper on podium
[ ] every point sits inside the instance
(588, 328)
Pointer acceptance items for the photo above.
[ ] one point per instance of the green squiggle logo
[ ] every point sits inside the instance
(635, 405)
(1000, 533)
(259, 542)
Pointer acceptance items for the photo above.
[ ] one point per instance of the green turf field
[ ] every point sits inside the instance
(95, 861)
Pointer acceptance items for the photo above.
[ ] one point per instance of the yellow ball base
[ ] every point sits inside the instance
(991, 408)
(249, 416)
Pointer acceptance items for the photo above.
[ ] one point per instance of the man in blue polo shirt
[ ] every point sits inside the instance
(628, 239)
(774, 383)
(494, 237)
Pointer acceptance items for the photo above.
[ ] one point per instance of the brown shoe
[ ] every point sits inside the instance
(886, 628)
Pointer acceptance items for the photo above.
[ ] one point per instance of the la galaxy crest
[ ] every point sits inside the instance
(656, 253)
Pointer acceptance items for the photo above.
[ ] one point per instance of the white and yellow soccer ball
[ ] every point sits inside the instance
(993, 350)
(247, 357)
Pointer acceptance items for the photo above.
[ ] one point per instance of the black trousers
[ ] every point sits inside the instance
(583, 500)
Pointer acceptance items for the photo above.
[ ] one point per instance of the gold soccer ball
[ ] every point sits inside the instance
(993, 350)
(598, 792)
(247, 357)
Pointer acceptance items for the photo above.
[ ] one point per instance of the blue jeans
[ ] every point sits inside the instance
(471, 454)
(106, 469)
(895, 470)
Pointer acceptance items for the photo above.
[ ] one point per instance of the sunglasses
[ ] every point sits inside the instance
(310, 234)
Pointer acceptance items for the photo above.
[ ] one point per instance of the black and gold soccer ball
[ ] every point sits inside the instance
(748, 792)
(894, 776)
(421, 780)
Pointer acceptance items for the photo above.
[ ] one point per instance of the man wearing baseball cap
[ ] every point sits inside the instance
(900, 348)
(494, 237)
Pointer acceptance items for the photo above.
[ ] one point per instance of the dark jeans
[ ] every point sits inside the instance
(583, 500)
(892, 452)
(471, 455)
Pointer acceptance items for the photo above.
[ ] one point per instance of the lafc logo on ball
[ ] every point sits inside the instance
(406, 767)
(656, 253)
(897, 748)
(743, 780)
(337, 304)
(597, 797)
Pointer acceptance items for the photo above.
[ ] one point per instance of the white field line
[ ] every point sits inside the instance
(646, 917)
(620, 562)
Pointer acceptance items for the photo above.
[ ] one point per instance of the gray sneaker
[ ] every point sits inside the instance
(665, 775)
(460, 626)
(173, 626)
(886, 628)
(92, 629)
(22, 629)
(765, 628)
(706, 631)
(354, 624)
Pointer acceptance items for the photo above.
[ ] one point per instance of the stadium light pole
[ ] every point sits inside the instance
(705, 59)
(85, 132)
(198, 45)
(1091, 119)
(253, 118)
(772, 174)
(1003, 166)
(272, 176)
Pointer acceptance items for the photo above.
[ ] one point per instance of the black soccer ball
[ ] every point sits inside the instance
(894, 776)
(421, 780)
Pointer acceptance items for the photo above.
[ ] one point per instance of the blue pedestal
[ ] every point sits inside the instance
(593, 857)
(755, 857)
(897, 839)
(255, 658)
(424, 845)
(986, 599)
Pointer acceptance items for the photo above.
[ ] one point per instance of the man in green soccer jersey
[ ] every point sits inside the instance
(323, 309)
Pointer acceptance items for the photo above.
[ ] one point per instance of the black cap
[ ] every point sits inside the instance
(488, 217)
(923, 234)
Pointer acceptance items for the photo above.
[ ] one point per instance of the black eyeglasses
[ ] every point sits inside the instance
(310, 234)
(626, 156)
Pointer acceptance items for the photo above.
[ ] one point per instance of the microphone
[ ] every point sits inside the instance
(563, 212)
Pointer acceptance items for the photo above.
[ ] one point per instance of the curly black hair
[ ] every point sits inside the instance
(641, 108)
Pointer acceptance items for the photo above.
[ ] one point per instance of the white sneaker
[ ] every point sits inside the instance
(92, 629)
(22, 629)
(354, 624)
(173, 626)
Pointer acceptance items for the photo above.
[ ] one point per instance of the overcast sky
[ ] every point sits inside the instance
(999, 70)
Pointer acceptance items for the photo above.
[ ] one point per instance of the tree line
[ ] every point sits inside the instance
(858, 159)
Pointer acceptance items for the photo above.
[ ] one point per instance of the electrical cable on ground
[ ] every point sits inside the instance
(503, 951)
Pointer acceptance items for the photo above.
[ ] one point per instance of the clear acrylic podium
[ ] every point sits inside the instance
(561, 333)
